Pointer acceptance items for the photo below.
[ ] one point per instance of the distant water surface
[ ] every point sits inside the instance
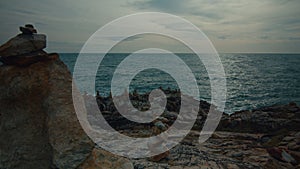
(253, 80)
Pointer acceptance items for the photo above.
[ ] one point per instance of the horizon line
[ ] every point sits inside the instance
(186, 53)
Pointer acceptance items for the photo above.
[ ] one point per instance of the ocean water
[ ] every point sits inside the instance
(253, 80)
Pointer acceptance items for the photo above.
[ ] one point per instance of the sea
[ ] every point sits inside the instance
(253, 80)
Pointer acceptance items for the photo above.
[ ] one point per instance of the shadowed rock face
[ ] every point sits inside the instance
(38, 125)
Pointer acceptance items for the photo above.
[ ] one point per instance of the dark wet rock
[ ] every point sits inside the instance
(263, 120)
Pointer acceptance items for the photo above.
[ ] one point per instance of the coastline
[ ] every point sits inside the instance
(267, 137)
(270, 137)
(39, 124)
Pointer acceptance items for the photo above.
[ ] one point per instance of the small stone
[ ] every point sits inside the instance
(28, 29)
(292, 104)
(288, 138)
(237, 155)
(232, 166)
(295, 155)
(275, 153)
(159, 157)
(297, 135)
(293, 146)
(287, 157)
(101, 159)
(139, 166)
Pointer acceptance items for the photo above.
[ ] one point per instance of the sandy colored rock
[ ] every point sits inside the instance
(101, 159)
(38, 124)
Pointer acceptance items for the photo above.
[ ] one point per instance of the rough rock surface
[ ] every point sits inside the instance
(263, 138)
(100, 159)
(224, 150)
(264, 120)
(22, 44)
(38, 124)
(27, 59)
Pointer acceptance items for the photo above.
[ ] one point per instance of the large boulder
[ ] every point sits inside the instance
(38, 124)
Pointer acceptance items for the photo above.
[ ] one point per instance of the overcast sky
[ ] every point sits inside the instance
(231, 25)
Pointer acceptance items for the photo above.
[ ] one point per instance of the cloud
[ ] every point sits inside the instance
(240, 19)
(226, 22)
(174, 6)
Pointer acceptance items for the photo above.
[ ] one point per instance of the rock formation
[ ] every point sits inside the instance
(38, 124)
(267, 137)
(24, 49)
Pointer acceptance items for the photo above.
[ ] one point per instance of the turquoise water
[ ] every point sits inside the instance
(253, 80)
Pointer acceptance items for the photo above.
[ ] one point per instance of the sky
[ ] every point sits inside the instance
(233, 26)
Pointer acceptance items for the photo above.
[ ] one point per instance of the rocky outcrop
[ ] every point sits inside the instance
(24, 49)
(38, 121)
(268, 137)
(38, 124)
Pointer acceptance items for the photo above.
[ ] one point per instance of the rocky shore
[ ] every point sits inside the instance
(39, 127)
(268, 137)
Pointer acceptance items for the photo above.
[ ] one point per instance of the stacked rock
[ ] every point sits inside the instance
(24, 49)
